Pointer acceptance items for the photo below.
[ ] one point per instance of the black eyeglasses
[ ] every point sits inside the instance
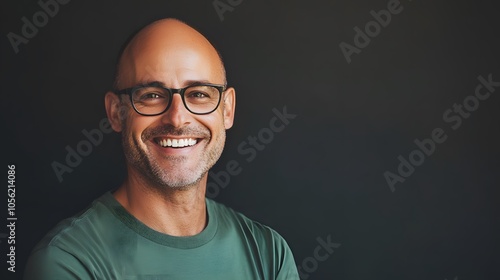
(154, 99)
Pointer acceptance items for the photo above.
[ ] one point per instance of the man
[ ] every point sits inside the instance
(172, 106)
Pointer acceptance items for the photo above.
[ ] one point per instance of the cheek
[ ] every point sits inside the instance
(136, 126)
(214, 122)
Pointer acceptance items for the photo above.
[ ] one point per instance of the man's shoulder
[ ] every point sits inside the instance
(250, 228)
(74, 230)
(227, 214)
(68, 244)
(267, 247)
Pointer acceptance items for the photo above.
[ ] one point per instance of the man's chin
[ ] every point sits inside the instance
(180, 184)
(176, 175)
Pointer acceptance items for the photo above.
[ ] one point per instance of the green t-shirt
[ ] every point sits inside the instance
(107, 242)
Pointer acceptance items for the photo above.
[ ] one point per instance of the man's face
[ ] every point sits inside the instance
(202, 136)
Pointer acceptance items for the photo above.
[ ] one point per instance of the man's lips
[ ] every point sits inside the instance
(176, 142)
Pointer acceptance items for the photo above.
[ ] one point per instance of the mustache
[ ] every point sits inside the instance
(198, 132)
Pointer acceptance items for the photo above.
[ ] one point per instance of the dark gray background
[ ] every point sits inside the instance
(323, 174)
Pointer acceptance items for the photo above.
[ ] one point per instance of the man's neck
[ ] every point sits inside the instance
(173, 212)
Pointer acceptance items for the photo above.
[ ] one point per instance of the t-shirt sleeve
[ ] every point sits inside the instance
(288, 269)
(52, 263)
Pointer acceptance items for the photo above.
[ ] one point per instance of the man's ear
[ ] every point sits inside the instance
(229, 107)
(114, 110)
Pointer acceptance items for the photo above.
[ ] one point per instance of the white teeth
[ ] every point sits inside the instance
(177, 143)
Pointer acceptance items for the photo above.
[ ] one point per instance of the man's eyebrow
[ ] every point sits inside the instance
(186, 83)
(151, 84)
(196, 82)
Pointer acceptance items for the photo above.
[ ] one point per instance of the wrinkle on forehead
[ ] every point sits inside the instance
(150, 51)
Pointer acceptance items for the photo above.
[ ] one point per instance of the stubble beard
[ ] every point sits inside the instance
(158, 178)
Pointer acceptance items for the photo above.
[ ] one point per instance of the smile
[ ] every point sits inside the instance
(176, 143)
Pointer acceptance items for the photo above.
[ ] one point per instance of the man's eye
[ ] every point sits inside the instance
(198, 94)
(151, 95)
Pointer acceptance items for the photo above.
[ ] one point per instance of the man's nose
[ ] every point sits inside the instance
(177, 114)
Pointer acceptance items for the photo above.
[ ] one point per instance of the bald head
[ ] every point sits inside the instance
(169, 51)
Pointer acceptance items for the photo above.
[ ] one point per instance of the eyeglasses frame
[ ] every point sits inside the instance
(129, 91)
